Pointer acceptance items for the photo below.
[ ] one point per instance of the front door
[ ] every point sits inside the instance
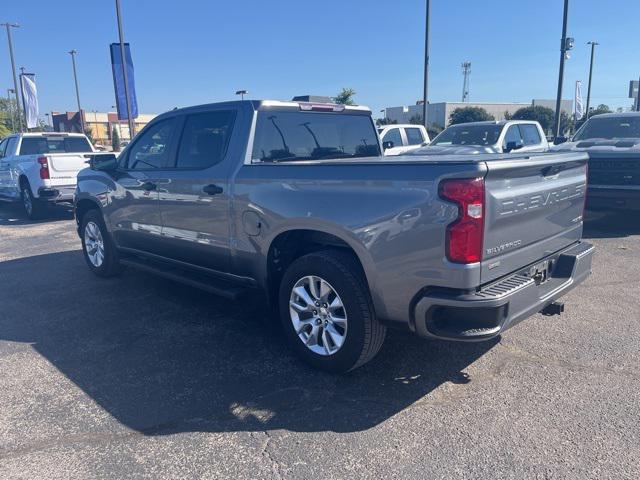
(134, 213)
(8, 187)
(194, 195)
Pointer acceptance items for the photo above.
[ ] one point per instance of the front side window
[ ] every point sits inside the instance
(42, 145)
(530, 134)
(513, 136)
(414, 136)
(151, 150)
(394, 136)
(294, 136)
(478, 134)
(610, 128)
(204, 139)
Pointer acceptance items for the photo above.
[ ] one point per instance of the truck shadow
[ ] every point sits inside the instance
(611, 225)
(162, 358)
(13, 214)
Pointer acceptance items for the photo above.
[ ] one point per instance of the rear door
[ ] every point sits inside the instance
(194, 193)
(534, 207)
(8, 183)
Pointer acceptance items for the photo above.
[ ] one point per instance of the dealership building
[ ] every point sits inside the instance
(438, 113)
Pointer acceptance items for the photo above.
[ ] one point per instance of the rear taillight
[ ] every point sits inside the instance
(44, 168)
(464, 235)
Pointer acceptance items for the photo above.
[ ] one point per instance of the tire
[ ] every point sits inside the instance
(362, 335)
(33, 207)
(98, 248)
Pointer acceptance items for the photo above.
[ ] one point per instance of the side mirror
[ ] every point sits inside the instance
(512, 146)
(558, 140)
(387, 144)
(102, 161)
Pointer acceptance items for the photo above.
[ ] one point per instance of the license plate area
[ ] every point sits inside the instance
(541, 272)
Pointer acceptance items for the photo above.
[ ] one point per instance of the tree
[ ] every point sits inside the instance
(434, 129)
(385, 121)
(115, 139)
(89, 133)
(345, 96)
(469, 114)
(602, 108)
(543, 115)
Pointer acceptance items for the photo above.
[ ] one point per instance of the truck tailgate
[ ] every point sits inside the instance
(64, 167)
(534, 207)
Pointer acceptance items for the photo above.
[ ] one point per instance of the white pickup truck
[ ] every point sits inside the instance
(40, 168)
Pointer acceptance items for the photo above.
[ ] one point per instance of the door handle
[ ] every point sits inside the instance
(212, 189)
(149, 186)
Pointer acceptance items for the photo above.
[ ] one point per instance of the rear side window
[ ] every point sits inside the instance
(204, 139)
(151, 150)
(414, 136)
(294, 136)
(530, 134)
(394, 136)
(41, 145)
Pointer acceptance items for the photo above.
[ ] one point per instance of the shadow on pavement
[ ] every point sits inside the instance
(163, 358)
(611, 224)
(13, 214)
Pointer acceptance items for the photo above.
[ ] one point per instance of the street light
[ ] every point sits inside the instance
(10, 107)
(426, 63)
(242, 93)
(593, 47)
(73, 54)
(13, 69)
(565, 45)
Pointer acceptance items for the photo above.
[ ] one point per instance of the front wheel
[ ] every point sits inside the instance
(98, 248)
(327, 313)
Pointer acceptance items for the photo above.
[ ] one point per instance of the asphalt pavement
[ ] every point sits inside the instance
(140, 377)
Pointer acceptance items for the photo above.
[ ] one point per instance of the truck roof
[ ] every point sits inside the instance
(494, 122)
(616, 114)
(279, 105)
(50, 134)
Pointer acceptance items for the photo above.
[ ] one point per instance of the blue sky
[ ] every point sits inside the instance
(199, 51)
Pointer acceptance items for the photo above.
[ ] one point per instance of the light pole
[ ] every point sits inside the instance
(242, 93)
(13, 121)
(125, 76)
(593, 47)
(13, 69)
(73, 54)
(426, 63)
(564, 47)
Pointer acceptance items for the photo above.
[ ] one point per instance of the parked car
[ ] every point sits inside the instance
(505, 136)
(612, 140)
(399, 139)
(293, 199)
(40, 168)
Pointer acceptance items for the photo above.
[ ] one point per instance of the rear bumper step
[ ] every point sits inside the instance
(484, 314)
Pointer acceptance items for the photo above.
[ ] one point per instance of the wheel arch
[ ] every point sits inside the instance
(292, 243)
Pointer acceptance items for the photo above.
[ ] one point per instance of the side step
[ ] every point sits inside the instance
(202, 281)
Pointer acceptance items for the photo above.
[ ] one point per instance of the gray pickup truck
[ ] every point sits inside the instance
(612, 141)
(295, 200)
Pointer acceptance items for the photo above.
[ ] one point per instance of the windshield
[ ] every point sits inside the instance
(41, 145)
(469, 135)
(292, 136)
(609, 127)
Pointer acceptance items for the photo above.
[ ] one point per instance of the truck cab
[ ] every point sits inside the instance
(398, 139)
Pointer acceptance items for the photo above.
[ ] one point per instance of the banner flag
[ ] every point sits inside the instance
(579, 106)
(29, 98)
(118, 81)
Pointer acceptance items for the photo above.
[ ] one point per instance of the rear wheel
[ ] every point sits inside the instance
(33, 207)
(327, 313)
(99, 251)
